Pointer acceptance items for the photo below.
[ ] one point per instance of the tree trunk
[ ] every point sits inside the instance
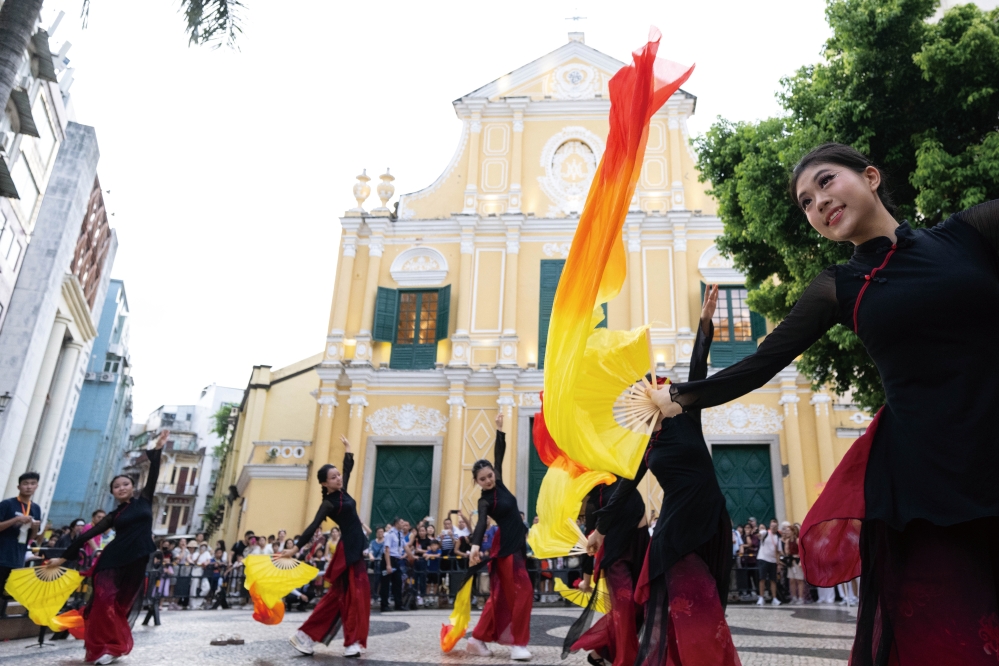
(17, 23)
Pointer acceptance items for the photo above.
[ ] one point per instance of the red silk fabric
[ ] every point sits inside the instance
(346, 602)
(830, 534)
(107, 626)
(506, 618)
(615, 635)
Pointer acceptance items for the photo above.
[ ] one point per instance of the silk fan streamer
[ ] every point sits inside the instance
(588, 371)
(270, 581)
(42, 590)
(582, 599)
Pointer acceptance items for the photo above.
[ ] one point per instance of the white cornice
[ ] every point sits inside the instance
(79, 309)
(270, 471)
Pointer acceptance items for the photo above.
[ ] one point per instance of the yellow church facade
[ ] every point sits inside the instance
(440, 313)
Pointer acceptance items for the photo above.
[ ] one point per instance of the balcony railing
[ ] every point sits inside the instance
(187, 490)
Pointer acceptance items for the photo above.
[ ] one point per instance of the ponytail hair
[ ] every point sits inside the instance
(322, 474)
(479, 466)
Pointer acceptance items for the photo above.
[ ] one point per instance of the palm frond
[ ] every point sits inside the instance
(213, 22)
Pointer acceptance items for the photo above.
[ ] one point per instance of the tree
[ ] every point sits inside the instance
(221, 419)
(919, 98)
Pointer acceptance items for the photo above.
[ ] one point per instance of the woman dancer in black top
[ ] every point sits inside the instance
(348, 599)
(120, 571)
(506, 617)
(614, 637)
(917, 492)
(684, 582)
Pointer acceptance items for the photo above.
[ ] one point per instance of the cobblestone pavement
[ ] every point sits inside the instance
(784, 636)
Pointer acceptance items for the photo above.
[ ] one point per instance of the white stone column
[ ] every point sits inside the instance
(635, 291)
(792, 432)
(376, 247)
(509, 338)
(516, 159)
(341, 296)
(823, 435)
(461, 349)
(25, 448)
(475, 132)
(62, 386)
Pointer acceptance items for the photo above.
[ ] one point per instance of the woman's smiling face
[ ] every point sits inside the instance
(838, 201)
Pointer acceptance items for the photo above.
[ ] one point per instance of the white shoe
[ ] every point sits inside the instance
(105, 659)
(477, 648)
(775, 602)
(419, 601)
(302, 643)
(519, 653)
(353, 651)
(759, 601)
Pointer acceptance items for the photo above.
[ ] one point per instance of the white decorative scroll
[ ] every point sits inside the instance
(739, 419)
(570, 158)
(575, 81)
(556, 249)
(715, 268)
(532, 399)
(419, 267)
(406, 420)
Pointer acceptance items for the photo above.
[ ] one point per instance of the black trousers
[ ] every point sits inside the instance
(395, 578)
(4, 574)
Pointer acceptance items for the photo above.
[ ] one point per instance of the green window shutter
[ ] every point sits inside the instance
(7, 188)
(443, 311)
(42, 66)
(424, 357)
(758, 323)
(22, 105)
(386, 315)
(402, 357)
(551, 271)
(603, 323)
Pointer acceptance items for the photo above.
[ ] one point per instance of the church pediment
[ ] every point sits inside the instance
(570, 72)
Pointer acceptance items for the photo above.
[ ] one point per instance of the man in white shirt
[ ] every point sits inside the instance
(267, 548)
(462, 529)
(767, 560)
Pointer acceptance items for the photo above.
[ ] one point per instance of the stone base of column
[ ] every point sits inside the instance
(508, 351)
(461, 351)
(362, 351)
(335, 348)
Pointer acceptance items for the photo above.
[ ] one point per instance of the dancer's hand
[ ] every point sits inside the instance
(161, 440)
(499, 420)
(594, 542)
(286, 554)
(473, 556)
(584, 585)
(55, 563)
(346, 443)
(708, 309)
(664, 401)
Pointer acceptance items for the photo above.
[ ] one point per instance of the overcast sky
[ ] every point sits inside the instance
(228, 170)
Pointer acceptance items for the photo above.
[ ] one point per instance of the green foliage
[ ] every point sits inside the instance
(209, 22)
(221, 419)
(919, 98)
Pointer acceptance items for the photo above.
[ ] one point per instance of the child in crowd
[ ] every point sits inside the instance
(433, 558)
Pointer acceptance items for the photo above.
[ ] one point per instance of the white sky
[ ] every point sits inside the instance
(228, 170)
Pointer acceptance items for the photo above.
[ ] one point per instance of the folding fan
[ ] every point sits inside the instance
(582, 599)
(452, 632)
(274, 579)
(42, 590)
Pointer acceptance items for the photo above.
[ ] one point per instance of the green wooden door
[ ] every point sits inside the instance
(402, 483)
(744, 476)
(535, 474)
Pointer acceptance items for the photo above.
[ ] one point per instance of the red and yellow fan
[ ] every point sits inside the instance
(582, 599)
(452, 632)
(270, 580)
(43, 591)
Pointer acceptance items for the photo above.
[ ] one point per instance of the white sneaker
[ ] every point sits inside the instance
(519, 653)
(419, 601)
(302, 643)
(353, 651)
(759, 601)
(477, 648)
(105, 659)
(775, 602)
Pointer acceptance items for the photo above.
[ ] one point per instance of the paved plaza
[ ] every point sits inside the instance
(767, 636)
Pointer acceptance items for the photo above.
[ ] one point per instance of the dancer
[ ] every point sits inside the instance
(917, 491)
(614, 637)
(506, 617)
(348, 599)
(120, 572)
(685, 578)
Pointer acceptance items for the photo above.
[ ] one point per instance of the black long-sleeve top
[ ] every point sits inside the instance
(928, 316)
(132, 522)
(693, 506)
(499, 504)
(341, 508)
(619, 533)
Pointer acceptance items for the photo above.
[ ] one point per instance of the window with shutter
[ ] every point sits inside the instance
(386, 314)
(736, 327)
(418, 316)
(551, 271)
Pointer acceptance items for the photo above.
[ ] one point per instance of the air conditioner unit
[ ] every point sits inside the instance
(107, 376)
(91, 377)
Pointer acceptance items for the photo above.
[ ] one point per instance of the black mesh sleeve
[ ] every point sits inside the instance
(480, 527)
(814, 314)
(324, 510)
(154, 456)
(499, 452)
(609, 514)
(348, 467)
(984, 218)
(73, 549)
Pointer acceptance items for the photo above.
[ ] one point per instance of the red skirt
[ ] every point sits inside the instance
(928, 594)
(347, 602)
(506, 618)
(113, 607)
(615, 635)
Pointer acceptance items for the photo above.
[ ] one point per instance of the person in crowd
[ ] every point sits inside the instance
(768, 561)
(689, 558)
(737, 539)
(213, 569)
(267, 546)
(225, 555)
(433, 559)
(282, 535)
(202, 559)
(506, 617)
(393, 554)
(120, 572)
(20, 520)
(95, 544)
(333, 541)
(75, 529)
(795, 576)
(241, 546)
(462, 529)
(747, 556)
(288, 543)
(376, 548)
(199, 539)
(420, 546)
(183, 562)
(348, 600)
